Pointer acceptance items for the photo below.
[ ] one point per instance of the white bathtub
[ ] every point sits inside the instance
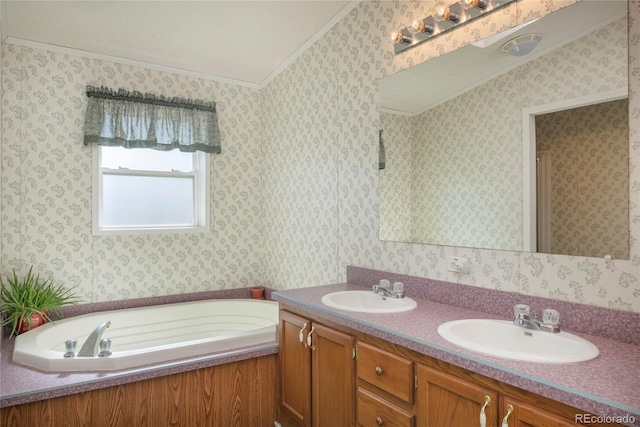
(151, 335)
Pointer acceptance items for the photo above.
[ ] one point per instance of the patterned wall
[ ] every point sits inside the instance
(467, 182)
(300, 177)
(300, 158)
(395, 184)
(46, 184)
(589, 152)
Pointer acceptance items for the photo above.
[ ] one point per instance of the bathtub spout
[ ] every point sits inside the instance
(91, 345)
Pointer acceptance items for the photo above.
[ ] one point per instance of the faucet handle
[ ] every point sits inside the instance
(550, 316)
(398, 288)
(105, 347)
(384, 283)
(70, 347)
(521, 309)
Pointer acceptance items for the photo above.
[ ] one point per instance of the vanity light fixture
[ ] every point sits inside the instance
(445, 18)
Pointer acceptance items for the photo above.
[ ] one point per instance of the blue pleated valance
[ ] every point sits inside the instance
(136, 120)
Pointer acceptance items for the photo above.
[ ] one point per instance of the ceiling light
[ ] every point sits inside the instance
(486, 42)
(521, 45)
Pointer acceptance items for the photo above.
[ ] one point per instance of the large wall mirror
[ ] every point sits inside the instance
(517, 142)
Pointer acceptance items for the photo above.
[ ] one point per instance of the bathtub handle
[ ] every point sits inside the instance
(301, 335)
(313, 328)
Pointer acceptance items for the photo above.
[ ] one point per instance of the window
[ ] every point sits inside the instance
(143, 190)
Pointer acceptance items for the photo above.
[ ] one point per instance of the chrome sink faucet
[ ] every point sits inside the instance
(549, 321)
(91, 346)
(385, 289)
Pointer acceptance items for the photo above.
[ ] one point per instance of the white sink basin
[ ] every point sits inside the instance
(367, 302)
(502, 338)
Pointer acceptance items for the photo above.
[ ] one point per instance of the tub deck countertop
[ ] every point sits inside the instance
(606, 386)
(20, 384)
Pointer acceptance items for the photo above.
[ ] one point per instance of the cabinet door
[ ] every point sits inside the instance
(333, 377)
(444, 400)
(295, 369)
(525, 415)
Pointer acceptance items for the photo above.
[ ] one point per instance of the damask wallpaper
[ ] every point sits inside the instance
(295, 191)
(589, 165)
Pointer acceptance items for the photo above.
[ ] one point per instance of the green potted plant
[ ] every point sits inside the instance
(29, 302)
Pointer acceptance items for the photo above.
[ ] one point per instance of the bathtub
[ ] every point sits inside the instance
(151, 335)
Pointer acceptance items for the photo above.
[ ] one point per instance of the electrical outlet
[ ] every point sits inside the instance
(457, 264)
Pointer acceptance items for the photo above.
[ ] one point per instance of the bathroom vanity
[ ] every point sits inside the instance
(345, 368)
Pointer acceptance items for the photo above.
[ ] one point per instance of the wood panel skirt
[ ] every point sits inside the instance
(239, 394)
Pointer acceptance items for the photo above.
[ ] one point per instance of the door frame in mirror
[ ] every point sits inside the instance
(529, 209)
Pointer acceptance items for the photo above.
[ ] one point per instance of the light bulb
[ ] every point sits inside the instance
(400, 38)
(444, 13)
(420, 27)
(441, 11)
(480, 4)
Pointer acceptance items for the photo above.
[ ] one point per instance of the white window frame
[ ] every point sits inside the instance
(201, 198)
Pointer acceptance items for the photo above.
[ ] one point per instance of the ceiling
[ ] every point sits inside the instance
(243, 42)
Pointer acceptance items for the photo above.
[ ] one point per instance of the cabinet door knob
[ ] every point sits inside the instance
(379, 422)
(378, 371)
(505, 422)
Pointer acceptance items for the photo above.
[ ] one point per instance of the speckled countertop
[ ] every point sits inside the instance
(607, 386)
(20, 384)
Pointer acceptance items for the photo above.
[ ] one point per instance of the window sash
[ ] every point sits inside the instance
(200, 178)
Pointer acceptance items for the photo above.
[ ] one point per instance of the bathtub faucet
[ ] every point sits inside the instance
(90, 347)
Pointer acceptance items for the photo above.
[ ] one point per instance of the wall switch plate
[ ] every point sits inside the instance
(457, 264)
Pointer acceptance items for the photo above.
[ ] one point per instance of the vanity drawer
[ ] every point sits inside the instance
(388, 372)
(375, 411)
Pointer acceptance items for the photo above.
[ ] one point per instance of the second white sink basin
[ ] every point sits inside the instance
(367, 302)
(502, 338)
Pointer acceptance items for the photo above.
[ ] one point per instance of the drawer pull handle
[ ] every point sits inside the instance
(483, 416)
(379, 422)
(301, 335)
(505, 423)
(378, 371)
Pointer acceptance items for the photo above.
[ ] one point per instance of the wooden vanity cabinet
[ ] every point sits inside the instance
(396, 387)
(445, 400)
(317, 374)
